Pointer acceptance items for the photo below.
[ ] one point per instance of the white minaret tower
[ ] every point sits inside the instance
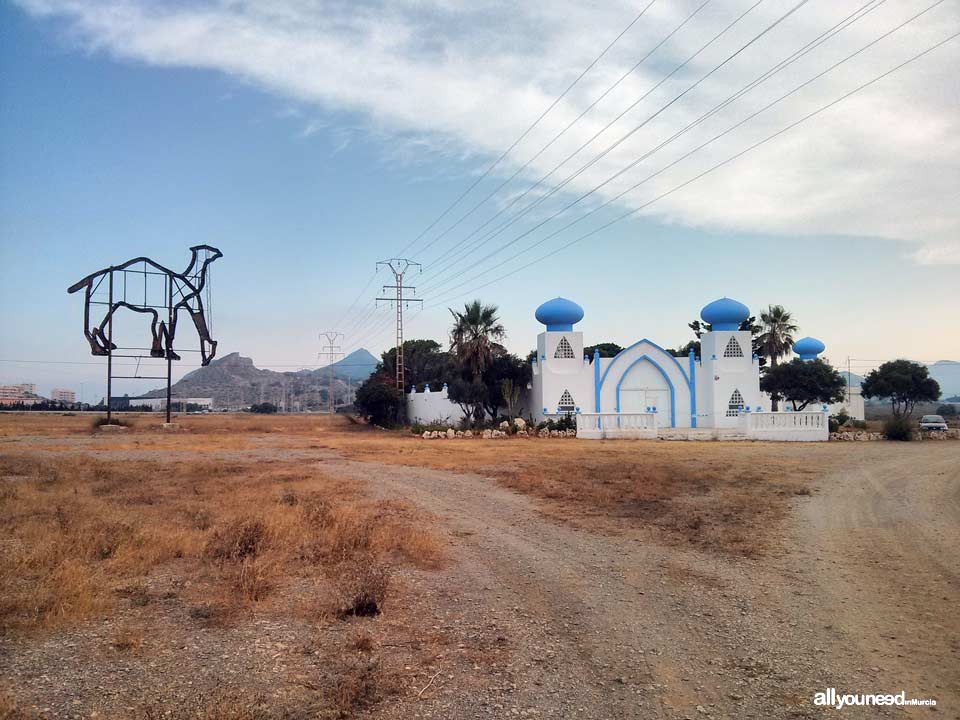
(562, 380)
(729, 383)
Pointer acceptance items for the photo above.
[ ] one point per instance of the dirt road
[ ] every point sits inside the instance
(620, 626)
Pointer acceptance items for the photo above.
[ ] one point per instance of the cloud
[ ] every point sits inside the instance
(464, 79)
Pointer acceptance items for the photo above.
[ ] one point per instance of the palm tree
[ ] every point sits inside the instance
(475, 335)
(777, 337)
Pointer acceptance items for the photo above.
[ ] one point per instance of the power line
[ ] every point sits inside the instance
(646, 155)
(609, 148)
(714, 167)
(560, 134)
(527, 131)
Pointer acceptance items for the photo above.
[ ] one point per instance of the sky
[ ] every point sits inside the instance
(715, 148)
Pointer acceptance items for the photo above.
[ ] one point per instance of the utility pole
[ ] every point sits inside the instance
(399, 267)
(332, 350)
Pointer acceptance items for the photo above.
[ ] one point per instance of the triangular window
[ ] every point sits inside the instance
(735, 404)
(733, 349)
(566, 405)
(564, 350)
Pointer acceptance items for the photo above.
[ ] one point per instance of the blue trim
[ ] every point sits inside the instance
(567, 327)
(627, 349)
(693, 389)
(603, 379)
(642, 358)
(596, 379)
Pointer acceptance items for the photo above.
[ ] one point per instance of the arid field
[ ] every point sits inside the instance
(309, 567)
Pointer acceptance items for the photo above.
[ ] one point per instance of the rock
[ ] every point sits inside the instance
(468, 433)
(459, 433)
(520, 423)
(451, 433)
(544, 432)
(505, 426)
(487, 434)
(426, 434)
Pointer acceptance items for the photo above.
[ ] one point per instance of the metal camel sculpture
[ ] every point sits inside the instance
(182, 291)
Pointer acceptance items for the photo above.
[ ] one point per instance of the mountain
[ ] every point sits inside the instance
(947, 374)
(233, 381)
(358, 365)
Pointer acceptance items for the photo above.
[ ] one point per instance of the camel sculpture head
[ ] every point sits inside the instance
(214, 253)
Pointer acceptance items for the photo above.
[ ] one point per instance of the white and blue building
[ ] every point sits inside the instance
(646, 391)
(710, 391)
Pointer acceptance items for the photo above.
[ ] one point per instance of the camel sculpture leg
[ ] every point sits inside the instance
(154, 329)
(200, 322)
(96, 348)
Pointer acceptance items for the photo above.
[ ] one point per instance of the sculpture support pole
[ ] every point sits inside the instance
(169, 340)
(110, 355)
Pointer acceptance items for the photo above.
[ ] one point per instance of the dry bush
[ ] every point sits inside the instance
(127, 639)
(254, 578)
(10, 709)
(237, 540)
(361, 588)
(359, 684)
(229, 705)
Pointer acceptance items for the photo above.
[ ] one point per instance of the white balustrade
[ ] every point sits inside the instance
(599, 426)
(786, 425)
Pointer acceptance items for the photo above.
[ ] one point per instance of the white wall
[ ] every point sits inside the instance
(431, 407)
(719, 377)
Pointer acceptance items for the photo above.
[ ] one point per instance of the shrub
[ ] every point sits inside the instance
(99, 422)
(898, 428)
(238, 540)
(263, 408)
(841, 418)
(833, 425)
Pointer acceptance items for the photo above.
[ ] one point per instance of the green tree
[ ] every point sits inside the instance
(511, 396)
(775, 340)
(947, 410)
(475, 336)
(803, 382)
(424, 361)
(377, 400)
(776, 337)
(904, 383)
(607, 350)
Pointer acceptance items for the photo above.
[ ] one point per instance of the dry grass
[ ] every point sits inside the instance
(725, 497)
(83, 534)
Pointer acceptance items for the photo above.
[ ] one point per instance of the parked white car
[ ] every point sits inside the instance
(933, 422)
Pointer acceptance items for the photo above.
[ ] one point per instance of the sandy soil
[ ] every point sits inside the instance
(535, 616)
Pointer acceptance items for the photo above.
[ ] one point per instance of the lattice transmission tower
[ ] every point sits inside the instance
(333, 352)
(399, 267)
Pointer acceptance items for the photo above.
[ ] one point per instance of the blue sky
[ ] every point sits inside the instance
(129, 129)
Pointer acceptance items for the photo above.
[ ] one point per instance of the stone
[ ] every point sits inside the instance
(505, 426)
(451, 433)
(459, 433)
(113, 428)
(487, 434)
(468, 433)
(169, 427)
(426, 434)
(520, 423)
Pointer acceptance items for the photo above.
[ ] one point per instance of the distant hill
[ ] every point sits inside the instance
(358, 365)
(947, 373)
(234, 381)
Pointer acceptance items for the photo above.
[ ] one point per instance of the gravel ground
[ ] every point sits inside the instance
(537, 618)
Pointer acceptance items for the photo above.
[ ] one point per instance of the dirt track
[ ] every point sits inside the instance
(610, 627)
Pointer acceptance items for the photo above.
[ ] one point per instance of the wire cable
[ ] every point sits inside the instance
(526, 132)
(432, 282)
(715, 167)
(649, 153)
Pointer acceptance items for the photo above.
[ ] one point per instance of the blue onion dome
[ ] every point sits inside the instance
(808, 348)
(559, 314)
(725, 314)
